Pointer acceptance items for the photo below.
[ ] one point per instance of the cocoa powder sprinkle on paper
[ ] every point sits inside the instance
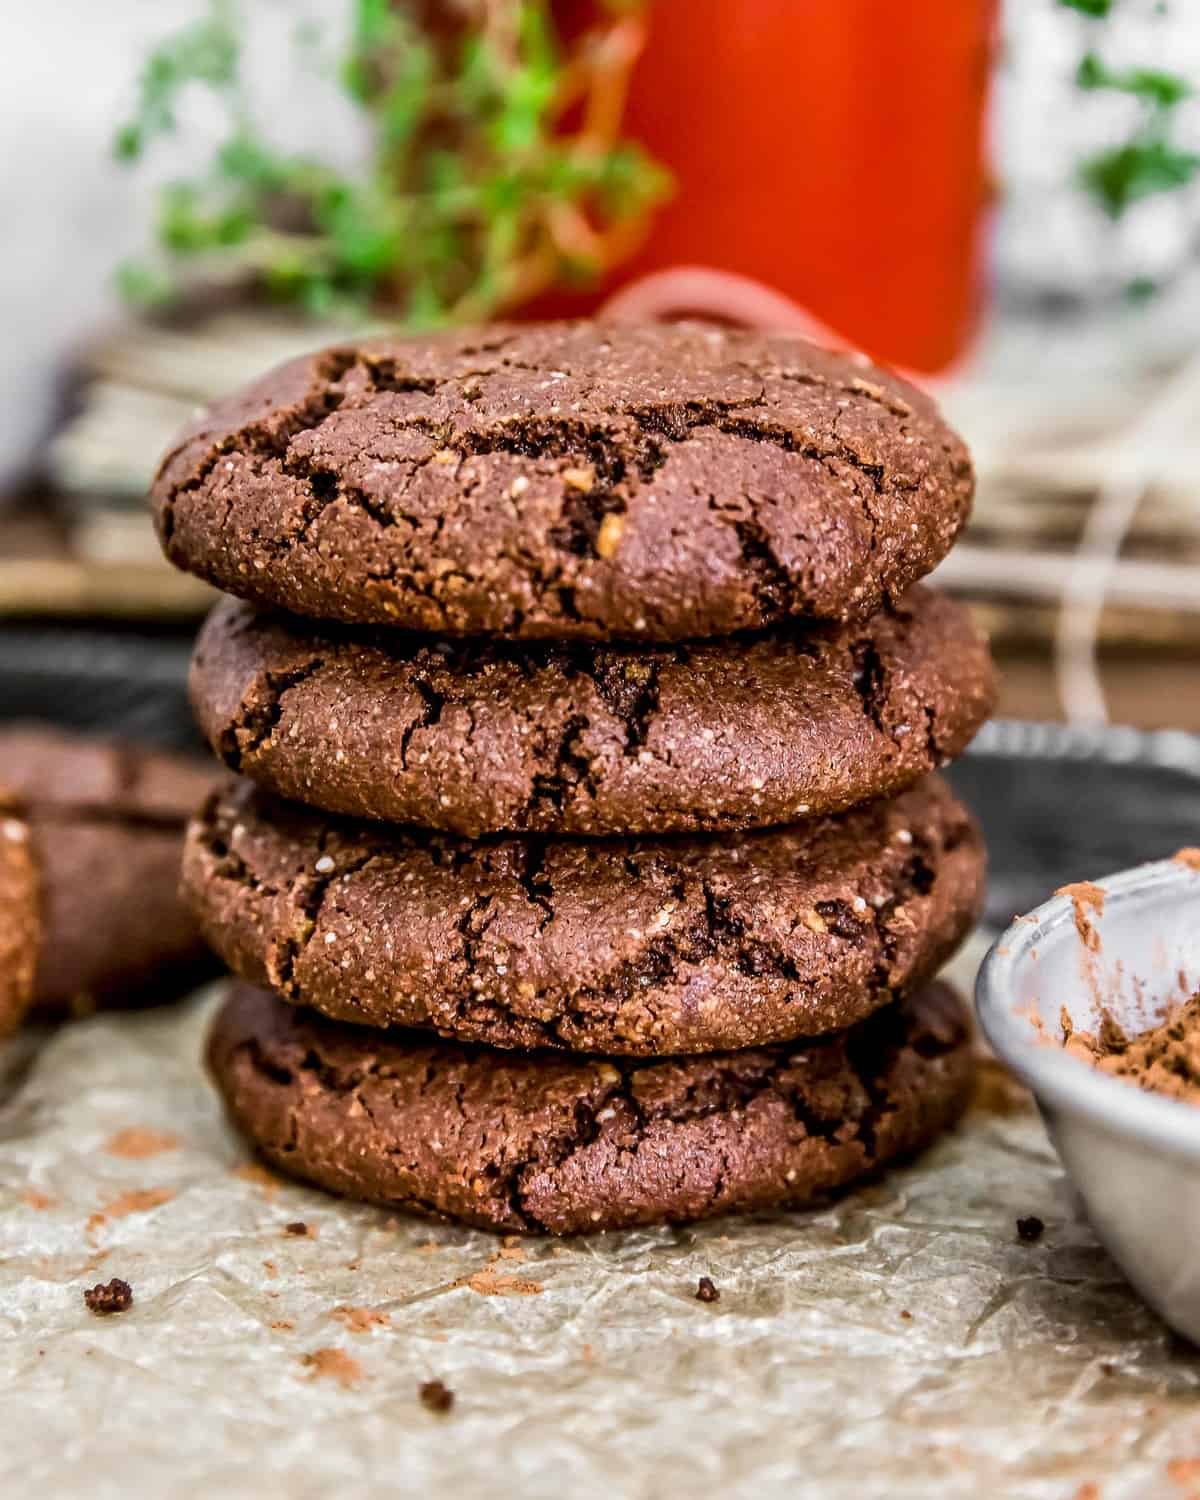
(252, 1171)
(360, 1319)
(136, 1201)
(333, 1364)
(136, 1143)
(492, 1283)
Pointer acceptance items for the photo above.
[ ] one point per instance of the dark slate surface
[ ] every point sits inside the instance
(1060, 805)
(110, 680)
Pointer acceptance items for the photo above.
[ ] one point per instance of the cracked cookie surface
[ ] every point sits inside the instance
(637, 946)
(479, 737)
(568, 481)
(20, 914)
(545, 1143)
(107, 822)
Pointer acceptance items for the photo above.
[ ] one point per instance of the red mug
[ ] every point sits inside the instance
(828, 153)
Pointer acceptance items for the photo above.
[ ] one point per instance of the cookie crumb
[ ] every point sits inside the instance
(302, 1230)
(1030, 1229)
(706, 1290)
(114, 1296)
(906, 1315)
(436, 1396)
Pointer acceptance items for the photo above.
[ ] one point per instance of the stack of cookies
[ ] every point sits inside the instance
(586, 866)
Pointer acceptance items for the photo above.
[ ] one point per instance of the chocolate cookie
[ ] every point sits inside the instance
(107, 822)
(20, 921)
(568, 480)
(544, 1143)
(634, 946)
(478, 737)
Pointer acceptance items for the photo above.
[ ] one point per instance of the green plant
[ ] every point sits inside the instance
(496, 170)
(1148, 161)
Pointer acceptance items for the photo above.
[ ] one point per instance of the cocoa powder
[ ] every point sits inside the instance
(1165, 1059)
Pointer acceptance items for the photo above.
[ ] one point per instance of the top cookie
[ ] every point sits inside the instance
(568, 481)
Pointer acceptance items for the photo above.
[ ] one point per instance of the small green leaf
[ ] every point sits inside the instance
(317, 296)
(404, 104)
(246, 160)
(372, 18)
(188, 224)
(1137, 170)
(1141, 289)
(144, 285)
(425, 306)
(1151, 84)
(127, 143)
(1097, 8)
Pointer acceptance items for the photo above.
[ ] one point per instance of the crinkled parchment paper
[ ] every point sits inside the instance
(901, 1342)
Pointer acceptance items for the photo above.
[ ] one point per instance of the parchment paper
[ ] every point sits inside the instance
(900, 1342)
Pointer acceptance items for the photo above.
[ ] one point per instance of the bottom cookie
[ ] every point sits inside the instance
(544, 1143)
